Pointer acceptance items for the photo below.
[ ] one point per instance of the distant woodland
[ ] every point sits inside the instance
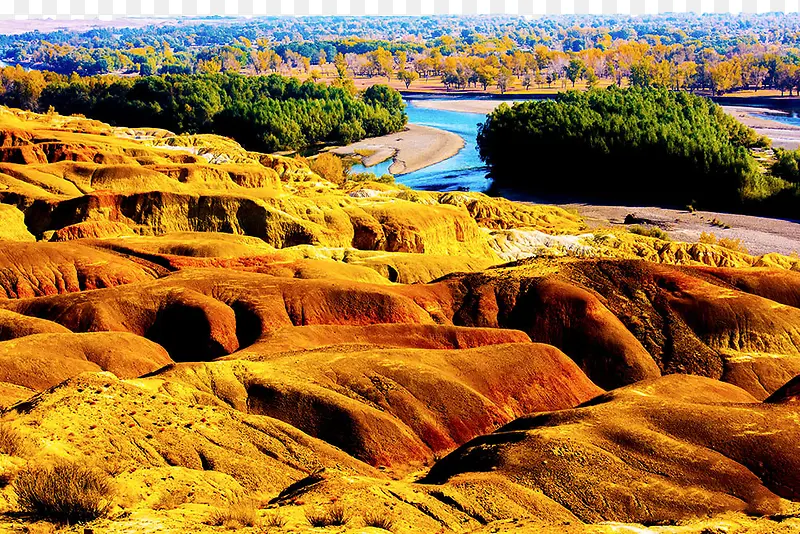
(717, 53)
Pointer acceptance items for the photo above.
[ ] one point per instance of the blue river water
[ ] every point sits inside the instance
(464, 171)
(790, 117)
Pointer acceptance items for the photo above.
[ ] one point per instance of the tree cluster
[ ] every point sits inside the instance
(265, 113)
(635, 145)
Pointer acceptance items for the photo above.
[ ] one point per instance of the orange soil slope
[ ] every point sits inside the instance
(620, 321)
(676, 447)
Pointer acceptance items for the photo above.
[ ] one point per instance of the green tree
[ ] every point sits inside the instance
(408, 77)
(504, 79)
(487, 75)
(574, 70)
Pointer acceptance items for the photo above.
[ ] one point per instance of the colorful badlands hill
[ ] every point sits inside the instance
(220, 330)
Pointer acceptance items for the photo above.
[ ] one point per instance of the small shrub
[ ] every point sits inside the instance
(274, 520)
(64, 493)
(239, 515)
(731, 244)
(735, 245)
(369, 177)
(329, 167)
(708, 239)
(601, 239)
(334, 515)
(171, 500)
(11, 442)
(378, 520)
(654, 231)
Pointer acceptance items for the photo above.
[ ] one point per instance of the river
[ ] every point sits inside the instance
(464, 171)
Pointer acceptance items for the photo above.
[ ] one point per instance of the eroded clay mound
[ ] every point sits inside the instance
(628, 320)
(183, 250)
(621, 321)
(678, 447)
(12, 225)
(14, 325)
(706, 321)
(39, 361)
(396, 407)
(410, 336)
(36, 269)
(206, 313)
(136, 426)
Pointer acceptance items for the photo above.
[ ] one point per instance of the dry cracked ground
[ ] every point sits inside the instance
(218, 330)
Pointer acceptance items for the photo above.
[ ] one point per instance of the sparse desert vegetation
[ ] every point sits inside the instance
(274, 519)
(380, 519)
(64, 492)
(331, 515)
(649, 231)
(725, 242)
(11, 441)
(235, 516)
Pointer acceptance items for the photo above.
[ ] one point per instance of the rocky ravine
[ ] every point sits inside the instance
(213, 327)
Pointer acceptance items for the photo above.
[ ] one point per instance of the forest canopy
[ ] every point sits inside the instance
(636, 145)
(265, 113)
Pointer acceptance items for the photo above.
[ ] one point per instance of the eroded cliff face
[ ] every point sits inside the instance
(212, 326)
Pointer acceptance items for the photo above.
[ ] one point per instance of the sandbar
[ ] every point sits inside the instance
(782, 135)
(414, 148)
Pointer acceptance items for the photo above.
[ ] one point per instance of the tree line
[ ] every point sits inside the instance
(714, 53)
(263, 113)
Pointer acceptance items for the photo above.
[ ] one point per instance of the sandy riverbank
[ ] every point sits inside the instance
(760, 235)
(412, 149)
(783, 135)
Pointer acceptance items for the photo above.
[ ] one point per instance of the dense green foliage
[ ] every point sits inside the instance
(787, 165)
(265, 113)
(644, 145)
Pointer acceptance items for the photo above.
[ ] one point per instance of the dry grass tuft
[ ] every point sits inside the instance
(64, 493)
(334, 515)
(649, 231)
(379, 520)
(170, 500)
(274, 520)
(11, 442)
(240, 515)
